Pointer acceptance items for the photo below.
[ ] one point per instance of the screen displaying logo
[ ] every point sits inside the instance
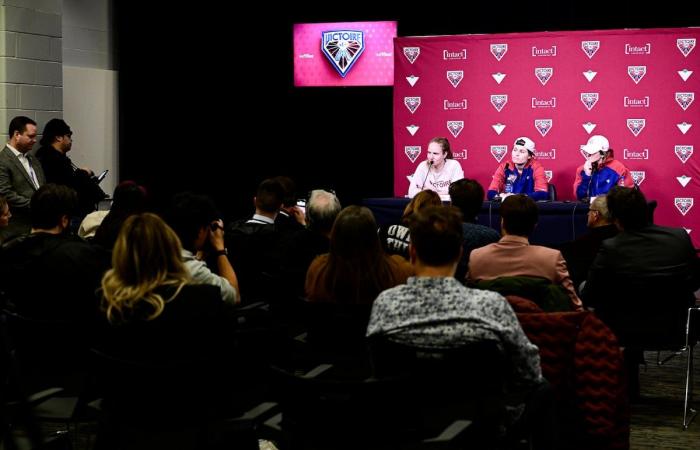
(343, 48)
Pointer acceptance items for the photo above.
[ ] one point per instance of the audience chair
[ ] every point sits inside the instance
(691, 339)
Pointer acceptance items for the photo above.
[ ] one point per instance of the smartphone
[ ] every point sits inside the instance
(301, 204)
(102, 176)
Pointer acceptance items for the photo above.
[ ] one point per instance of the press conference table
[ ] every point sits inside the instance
(559, 222)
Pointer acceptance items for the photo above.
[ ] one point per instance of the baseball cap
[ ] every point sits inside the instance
(596, 144)
(526, 143)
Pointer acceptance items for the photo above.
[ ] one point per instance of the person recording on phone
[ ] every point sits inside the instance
(601, 171)
(438, 171)
(521, 175)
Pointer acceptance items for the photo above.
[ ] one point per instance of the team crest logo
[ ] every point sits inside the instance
(544, 74)
(455, 76)
(412, 80)
(499, 50)
(636, 125)
(589, 74)
(637, 73)
(543, 126)
(685, 74)
(412, 103)
(590, 47)
(638, 176)
(684, 99)
(683, 204)
(499, 151)
(455, 127)
(498, 77)
(413, 129)
(412, 151)
(499, 101)
(342, 48)
(548, 175)
(589, 99)
(683, 180)
(589, 127)
(498, 128)
(684, 152)
(685, 45)
(684, 127)
(411, 53)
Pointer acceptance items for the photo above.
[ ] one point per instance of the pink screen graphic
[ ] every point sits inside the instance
(374, 66)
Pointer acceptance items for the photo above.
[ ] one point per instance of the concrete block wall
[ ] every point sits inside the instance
(31, 73)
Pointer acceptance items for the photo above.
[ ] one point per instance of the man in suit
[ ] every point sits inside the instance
(20, 174)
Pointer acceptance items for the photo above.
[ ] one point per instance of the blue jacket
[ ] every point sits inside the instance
(532, 181)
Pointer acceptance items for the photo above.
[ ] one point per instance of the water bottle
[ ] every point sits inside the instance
(509, 184)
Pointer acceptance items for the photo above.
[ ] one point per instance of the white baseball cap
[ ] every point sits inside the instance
(526, 143)
(596, 144)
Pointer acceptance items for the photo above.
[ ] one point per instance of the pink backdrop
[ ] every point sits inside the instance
(636, 87)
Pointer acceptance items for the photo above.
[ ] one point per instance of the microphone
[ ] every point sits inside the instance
(430, 164)
(594, 167)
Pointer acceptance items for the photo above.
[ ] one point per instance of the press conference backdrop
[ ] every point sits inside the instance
(636, 87)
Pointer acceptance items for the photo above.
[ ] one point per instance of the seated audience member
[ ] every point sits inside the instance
(356, 269)
(521, 175)
(48, 273)
(289, 217)
(601, 171)
(196, 222)
(468, 195)
(579, 254)
(513, 256)
(395, 238)
(438, 171)
(103, 226)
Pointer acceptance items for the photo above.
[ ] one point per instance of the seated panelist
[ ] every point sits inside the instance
(601, 171)
(521, 175)
(438, 171)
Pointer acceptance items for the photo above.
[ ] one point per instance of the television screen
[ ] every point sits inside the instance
(344, 54)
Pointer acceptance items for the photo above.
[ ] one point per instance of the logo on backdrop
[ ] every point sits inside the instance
(412, 103)
(636, 125)
(342, 48)
(685, 45)
(499, 151)
(636, 73)
(460, 54)
(638, 176)
(589, 74)
(546, 154)
(684, 99)
(545, 51)
(642, 102)
(412, 80)
(498, 77)
(498, 128)
(636, 154)
(683, 180)
(683, 204)
(589, 99)
(412, 151)
(589, 127)
(685, 74)
(455, 127)
(454, 104)
(455, 76)
(589, 48)
(543, 126)
(548, 175)
(413, 129)
(684, 152)
(499, 101)
(411, 53)
(544, 74)
(499, 50)
(684, 127)
(544, 102)
(462, 154)
(644, 49)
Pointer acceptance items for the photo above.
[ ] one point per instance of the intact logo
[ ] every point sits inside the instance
(636, 125)
(499, 151)
(551, 51)
(411, 53)
(684, 99)
(683, 204)
(543, 126)
(631, 49)
(590, 48)
(454, 104)
(684, 152)
(448, 55)
(546, 154)
(455, 127)
(342, 48)
(499, 50)
(462, 154)
(548, 175)
(589, 99)
(636, 154)
(499, 101)
(685, 45)
(412, 151)
(544, 102)
(454, 77)
(412, 103)
(544, 74)
(636, 73)
(638, 176)
(636, 102)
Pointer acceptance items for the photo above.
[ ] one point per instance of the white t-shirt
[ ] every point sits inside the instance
(436, 181)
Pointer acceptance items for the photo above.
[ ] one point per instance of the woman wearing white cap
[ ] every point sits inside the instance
(439, 170)
(601, 171)
(521, 175)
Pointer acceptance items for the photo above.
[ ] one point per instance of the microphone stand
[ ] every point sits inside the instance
(594, 169)
(430, 164)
